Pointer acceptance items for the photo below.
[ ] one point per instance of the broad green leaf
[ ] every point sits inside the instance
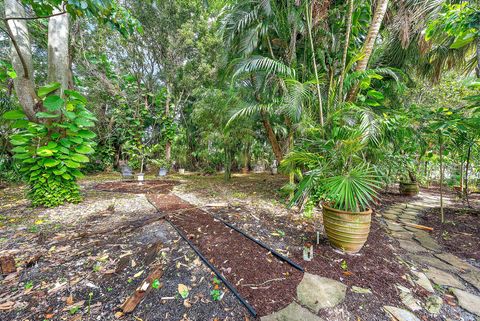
(80, 158)
(44, 152)
(45, 90)
(46, 115)
(72, 164)
(75, 95)
(14, 115)
(51, 162)
(84, 149)
(84, 133)
(53, 103)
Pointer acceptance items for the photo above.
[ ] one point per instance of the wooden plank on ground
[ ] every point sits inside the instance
(142, 291)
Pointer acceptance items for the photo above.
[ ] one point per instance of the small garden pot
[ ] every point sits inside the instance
(346, 231)
(181, 171)
(162, 172)
(140, 177)
(409, 189)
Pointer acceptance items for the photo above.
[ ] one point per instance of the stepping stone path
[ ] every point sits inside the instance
(316, 292)
(429, 264)
(313, 293)
(293, 312)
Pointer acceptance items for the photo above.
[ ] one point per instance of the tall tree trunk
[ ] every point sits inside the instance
(369, 43)
(58, 51)
(478, 58)
(22, 59)
(348, 24)
(312, 48)
(441, 179)
(467, 167)
(168, 144)
(277, 151)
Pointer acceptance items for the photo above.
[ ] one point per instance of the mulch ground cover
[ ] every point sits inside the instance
(136, 187)
(460, 234)
(266, 282)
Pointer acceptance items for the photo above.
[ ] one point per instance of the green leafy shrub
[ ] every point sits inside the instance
(51, 152)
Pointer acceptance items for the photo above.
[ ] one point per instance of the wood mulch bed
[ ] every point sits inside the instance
(266, 282)
(460, 234)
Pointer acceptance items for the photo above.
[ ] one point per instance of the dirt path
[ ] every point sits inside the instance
(266, 282)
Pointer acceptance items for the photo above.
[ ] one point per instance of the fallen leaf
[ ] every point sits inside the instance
(183, 290)
(70, 300)
(49, 316)
(187, 303)
(7, 305)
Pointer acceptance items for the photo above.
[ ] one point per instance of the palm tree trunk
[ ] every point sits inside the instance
(467, 167)
(369, 43)
(441, 179)
(478, 57)
(345, 49)
(272, 138)
(309, 27)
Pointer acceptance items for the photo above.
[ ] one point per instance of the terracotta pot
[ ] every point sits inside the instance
(409, 189)
(346, 231)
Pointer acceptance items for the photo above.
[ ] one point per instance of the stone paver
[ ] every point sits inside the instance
(472, 277)
(468, 301)
(433, 261)
(400, 314)
(428, 242)
(423, 281)
(455, 261)
(402, 235)
(293, 312)
(443, 278)
(316, 292)
(411, 246)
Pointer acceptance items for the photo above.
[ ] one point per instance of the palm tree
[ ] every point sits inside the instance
(369, 43)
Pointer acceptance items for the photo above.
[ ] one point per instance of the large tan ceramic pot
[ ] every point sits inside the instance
(346, 231)
(409, 189)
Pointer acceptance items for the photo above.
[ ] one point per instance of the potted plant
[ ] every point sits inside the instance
(163, 166)
(346, 211)
(337, 176)
(408, 184)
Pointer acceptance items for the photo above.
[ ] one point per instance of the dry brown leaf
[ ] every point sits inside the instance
(7, 305)
(70, 300)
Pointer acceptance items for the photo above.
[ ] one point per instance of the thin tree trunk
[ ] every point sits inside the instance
(467, 167)
(345, 49)
(312, 47)
(461, 176)
(277, 151)
(478, 57)
(168, 144)
(367, 49)
(58, 51)
(22, 59)
(441, 179)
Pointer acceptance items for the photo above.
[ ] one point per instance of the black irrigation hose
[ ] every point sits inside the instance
(278, 255)
(225, 281)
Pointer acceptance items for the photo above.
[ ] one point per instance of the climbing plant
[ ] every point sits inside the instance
(51, 153)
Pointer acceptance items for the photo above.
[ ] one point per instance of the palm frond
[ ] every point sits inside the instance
(263, 64)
